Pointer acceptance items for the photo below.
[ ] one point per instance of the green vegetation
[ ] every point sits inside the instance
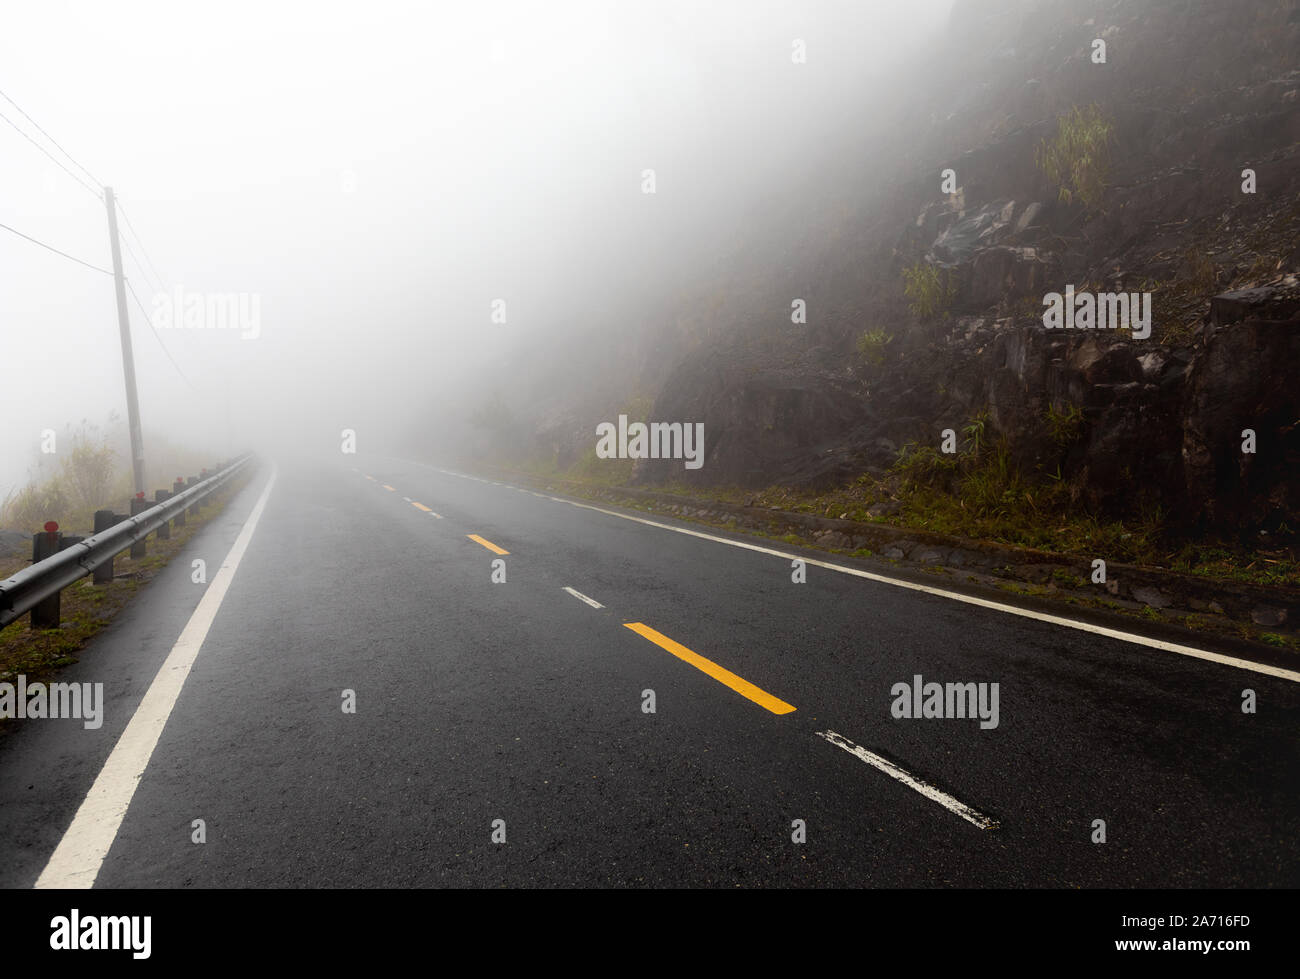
(929, 289)
(82, 483)
(924, 465)
(1211, 560)
(1067, 580)
(1066, 425)
(872, 344)
(974, 433)
(981, 493)
(607, 472)
(1077, 160)
(989, 500)
(87, 473)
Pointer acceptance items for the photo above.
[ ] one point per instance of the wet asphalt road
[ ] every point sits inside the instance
(479, 701)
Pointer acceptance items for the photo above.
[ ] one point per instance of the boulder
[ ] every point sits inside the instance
(1266, 303)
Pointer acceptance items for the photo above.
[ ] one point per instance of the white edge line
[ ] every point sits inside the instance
(76, 861)
(973, 816)
(1100, 630)
(581, 597)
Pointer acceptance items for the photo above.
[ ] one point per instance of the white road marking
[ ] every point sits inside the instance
(972, 816)
(1099, 630)
(579, 595)
(407, 499)
(77, 859)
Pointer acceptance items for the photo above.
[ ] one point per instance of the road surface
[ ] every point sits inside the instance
(525, 701)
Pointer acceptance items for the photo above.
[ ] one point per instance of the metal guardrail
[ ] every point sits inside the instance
(33, 585)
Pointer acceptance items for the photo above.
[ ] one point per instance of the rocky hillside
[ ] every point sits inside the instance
(1191, 94)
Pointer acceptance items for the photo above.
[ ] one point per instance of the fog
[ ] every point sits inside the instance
(373, 176)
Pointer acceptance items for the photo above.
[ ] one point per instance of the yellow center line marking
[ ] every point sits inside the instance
(371, 478)
(389, 488)
(725, 677)
(421, 506)
(487, 543)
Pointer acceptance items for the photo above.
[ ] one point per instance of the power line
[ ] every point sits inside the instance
(149, 322)
(153, 281)
(158, 279)
(55, 250)
(93, 178)
(126, 281)
(99, 194)
(18, 129)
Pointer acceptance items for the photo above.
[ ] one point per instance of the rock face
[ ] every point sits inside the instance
(1195, 91)
(1160, 419)
(796, 424)
(1247, 377)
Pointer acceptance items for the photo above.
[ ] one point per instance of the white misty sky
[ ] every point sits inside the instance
(495, 148)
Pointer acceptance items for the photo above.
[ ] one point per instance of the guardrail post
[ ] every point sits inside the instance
(177, 488)
(138, 505)
(194, 508)
(45, 613)
(37, 589)
(103, 574)
(165, 531)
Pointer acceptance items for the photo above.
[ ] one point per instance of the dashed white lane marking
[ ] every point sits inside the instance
(972, 816)
(581, 597)
(408, 499)
(79, 855)
(1097, 630)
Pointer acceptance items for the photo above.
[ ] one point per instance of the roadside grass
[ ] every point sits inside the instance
(979, 494)
(692, 499)
(85, 609)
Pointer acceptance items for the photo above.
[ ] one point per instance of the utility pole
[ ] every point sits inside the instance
(128, 358)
